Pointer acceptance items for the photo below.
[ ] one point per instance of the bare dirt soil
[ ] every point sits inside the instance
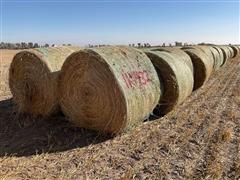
(198, 140)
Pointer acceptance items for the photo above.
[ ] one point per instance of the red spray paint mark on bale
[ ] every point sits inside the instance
(134, 78)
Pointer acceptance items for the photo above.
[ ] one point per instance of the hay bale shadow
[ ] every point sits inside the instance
(21, 135)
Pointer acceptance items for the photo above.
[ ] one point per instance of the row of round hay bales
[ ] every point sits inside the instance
(95, 105)
(33, 79)
(110, 89)
(207, 59)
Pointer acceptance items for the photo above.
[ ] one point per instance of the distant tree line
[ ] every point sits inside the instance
(30, 45)
(22, 45)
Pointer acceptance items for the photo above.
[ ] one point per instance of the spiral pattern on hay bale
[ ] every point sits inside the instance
(33, 79)
(176, 76)
(109, 89)
(202, 64)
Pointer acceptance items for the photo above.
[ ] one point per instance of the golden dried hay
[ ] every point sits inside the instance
(180, 53)
(213, 54)
(109, 89)
(202, 64)
(208, 52)
(176, 77)
(221, 57)
(231, 51)
(226, 53)
(235, 50)
(205, 49)
(33, 79)
(218, 58)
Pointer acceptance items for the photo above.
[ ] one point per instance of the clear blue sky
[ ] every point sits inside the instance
(120, 22)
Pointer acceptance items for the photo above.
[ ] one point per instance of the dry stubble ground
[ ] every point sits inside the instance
(198, 140)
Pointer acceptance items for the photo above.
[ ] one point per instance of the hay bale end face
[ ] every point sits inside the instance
(176, 77)
(108, 89)
(33, 79)
(203, 66)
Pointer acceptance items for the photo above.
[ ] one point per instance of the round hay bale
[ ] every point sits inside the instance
(221, 57)
(202, 64)
(180, 53)
(109, 89)
(205, 49)
(176, 77)
(209, 52)
(235, 50)
(213, 54)
(218, 58)
(231, 51)
(33, 79)
(226, 53)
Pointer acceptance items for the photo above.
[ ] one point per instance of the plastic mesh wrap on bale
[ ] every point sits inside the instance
(216, 57)
(231, 51)
(220, 61)
(109, 89)
(176, 77)
(210, 53)
(213, 54)
(226, 53)
(180, 53)
(202, 64)
(33, 79)
(235, 50)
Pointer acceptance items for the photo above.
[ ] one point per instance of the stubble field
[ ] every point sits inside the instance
(198, 140)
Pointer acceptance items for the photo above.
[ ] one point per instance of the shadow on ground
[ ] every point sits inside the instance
(24, 136)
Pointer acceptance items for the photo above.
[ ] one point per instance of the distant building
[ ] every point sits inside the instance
(178, 43)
